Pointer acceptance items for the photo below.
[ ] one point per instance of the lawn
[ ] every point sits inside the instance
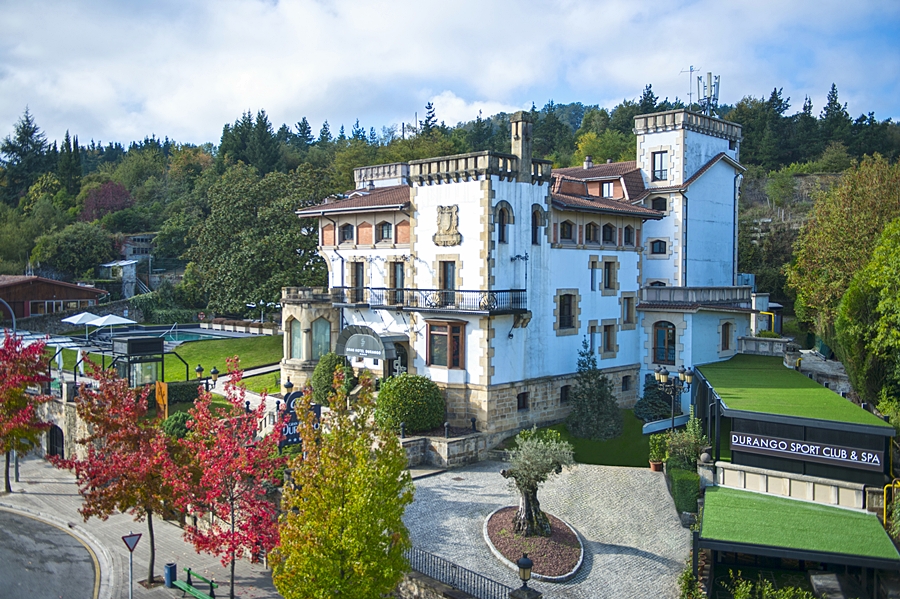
(745, 517)
(268, 382)
(631, 448)
(762, 384)
(217, 402)
(253, 351)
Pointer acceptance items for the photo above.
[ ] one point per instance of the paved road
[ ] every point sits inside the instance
(635, 545)
(38, 559)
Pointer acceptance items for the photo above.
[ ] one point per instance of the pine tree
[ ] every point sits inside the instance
(68, 168)
(430, 122)
(647, 103)
(304, 137)
(594, 414)
(324, 135)
(25, 156)
(835, 121)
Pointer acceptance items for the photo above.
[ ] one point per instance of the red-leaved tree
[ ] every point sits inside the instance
(20, 423)
(125, 457)
(230, 475)
(109, 197)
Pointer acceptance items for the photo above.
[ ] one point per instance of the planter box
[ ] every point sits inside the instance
(228, 327)
(239, 329)
(256, 330)
(204, 325)
(216, 327)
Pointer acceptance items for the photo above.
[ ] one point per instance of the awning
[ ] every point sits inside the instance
(359, 341)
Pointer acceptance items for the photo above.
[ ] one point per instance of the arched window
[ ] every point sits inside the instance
(726, 336)
(657, 284)
(659, 204)
(346, 234)
(591, 233)
(629, 235)
(664, 342)
(658, 247)
(609, 233)
(502, 222)
(56, 445)
(321, 338)
(384, 231)
(535, 228)
(296, 340)
(566, 231)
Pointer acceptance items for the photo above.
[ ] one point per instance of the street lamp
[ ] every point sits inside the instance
(288, 387)
(199, 371)
(525, 565)
(674, 386)
(214, 373)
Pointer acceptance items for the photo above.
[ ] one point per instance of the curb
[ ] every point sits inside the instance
(515, 568)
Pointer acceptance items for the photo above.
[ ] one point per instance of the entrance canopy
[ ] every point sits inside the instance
(359, 341)
(756, 524)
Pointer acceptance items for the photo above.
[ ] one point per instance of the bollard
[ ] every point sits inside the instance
(474, 430)
(402, 430)
(446, 430)
(170, 574)
(247, 403)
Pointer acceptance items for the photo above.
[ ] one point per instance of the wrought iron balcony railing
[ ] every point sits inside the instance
(507, 301)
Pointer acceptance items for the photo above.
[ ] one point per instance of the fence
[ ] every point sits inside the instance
(456, 576)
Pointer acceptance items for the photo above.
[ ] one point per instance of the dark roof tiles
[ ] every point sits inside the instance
(361, 199)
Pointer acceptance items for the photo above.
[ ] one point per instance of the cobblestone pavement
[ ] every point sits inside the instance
(51, 495)
(635, 545)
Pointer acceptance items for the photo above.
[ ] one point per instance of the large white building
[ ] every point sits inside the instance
(486, 271)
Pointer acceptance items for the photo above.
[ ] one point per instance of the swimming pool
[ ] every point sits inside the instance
(177, 336)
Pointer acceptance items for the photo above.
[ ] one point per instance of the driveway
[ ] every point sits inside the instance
(635, 545)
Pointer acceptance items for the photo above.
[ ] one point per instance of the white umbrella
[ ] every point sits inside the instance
(83, 318)
(110, 320)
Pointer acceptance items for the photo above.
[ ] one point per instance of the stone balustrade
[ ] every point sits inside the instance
(697, 295)
(786, 484)
(684, 119)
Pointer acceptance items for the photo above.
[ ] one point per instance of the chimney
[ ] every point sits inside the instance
(588, 162)
(371, 185)
(520, 129)
(609, 161)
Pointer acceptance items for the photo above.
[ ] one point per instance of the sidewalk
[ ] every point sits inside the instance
(51, 495)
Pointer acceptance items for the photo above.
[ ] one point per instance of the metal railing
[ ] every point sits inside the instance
(506, 301)
(456, 576)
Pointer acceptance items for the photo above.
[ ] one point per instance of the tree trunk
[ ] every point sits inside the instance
(6, 474)
(231, 540)
(530, 521)
(152, 547)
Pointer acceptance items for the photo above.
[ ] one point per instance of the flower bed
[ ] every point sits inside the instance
(556, 558)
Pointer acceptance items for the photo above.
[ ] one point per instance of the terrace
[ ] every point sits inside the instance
(506, 301)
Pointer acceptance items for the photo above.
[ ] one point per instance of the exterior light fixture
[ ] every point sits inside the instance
(675, 386)
(524, 565)
(199, 371)
(214, 374)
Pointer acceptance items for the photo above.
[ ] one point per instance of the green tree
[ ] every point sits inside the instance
(25, 156)
(252, 244)
(342, 532)
(594, 414)
(609, 145)
(75, 250)
(835, 121)
(427, 126)
(538, 455)
(322, 380)
(68, 168)
(866, 199)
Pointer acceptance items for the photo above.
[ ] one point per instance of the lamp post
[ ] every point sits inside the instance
(524, 591)
(199, 371)
(214, 374)
(674, 386)
(288, 387)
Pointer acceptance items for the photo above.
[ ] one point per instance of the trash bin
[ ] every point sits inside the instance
(170, 574)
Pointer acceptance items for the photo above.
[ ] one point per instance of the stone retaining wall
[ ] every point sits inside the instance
(787, 484)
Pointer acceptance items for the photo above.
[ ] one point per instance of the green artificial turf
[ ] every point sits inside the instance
(763, 384)
(754, 518)
(631, 448)
(268, 382)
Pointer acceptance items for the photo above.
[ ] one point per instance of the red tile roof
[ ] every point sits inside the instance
(610, 170)
(10, 280)
(715, 159)
(595, 204)
(394, 197)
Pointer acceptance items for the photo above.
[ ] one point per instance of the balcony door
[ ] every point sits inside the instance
(448, 282)
(357, 280)
(398, 282)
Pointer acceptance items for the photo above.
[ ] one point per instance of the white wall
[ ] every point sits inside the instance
(711, 228)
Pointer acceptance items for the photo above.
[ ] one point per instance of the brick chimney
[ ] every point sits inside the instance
(520, 129)
(588, 162)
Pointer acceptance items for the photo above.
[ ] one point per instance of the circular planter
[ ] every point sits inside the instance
(515, 568)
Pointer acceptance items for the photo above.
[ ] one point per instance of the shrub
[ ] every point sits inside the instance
(658, 444)
(685, 446)
(768, 334)
(323, 377)
(178, 391)
(688, 585)
(654, 405)
(412, 399)
(175, 426)
(594, 414)
(685, 489)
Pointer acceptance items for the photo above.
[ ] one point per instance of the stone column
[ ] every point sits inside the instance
(307, 344)
(521, 143)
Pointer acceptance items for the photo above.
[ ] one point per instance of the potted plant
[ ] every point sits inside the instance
(658, 444)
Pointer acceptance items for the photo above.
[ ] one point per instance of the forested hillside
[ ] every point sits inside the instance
(225, 208)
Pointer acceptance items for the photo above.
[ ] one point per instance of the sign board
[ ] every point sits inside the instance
(291, 432)
(162, 399)
(131, 541)
(364, 346)
(808, 451)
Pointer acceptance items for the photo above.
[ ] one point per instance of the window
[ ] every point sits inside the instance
(629, 235)
(664, 342)
(567, 311)
(628, 316)
(448, 281)
(564, 393)
(609, 275)
(535, 228)
(658, 247)
(609, 233)
(565, 230)
(296, 340)
(595, 276)
(609, 339)
(726, 336)
(384, 231)
(606, 189)
(321, 338)
(626, 383)
(357, 281)
(592, 336)
(659, 204)
(346, 234)
(397, 278)
(446, 344)
(522, 400)
(657, 284)
(660, 166)
(591, 233)
(502, 221)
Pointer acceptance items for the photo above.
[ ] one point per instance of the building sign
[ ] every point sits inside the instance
(291, 433)
(808, 451)
(364, 346)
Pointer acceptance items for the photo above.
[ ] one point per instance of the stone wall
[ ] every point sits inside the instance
(418, 586)
(53, 325)
(416, 450)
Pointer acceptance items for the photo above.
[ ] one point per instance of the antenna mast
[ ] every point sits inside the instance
(690, 72)
(709, 98)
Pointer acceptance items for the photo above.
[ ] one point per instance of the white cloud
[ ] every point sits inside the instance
(119, 71)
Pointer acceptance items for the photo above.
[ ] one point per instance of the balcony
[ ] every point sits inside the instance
(494, 302)
(697, 295)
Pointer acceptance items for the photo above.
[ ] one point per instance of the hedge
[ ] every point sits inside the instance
(685, 489)
(179, 392)
(410, 399)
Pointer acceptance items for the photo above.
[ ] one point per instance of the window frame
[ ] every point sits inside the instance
(655, 246)
(565, 394)
(659, 199)
(591, 233)
(502, 225)
(669, 346)
(660, 165)
(566, 224)
(535, 227)
(566, 316)
(379, 232)
(522, 403)
(607, 189)
(628, 236)
(459, 363)
(609, 234)
(727, 327)
(342, 233)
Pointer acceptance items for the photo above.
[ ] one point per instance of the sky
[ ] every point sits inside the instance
(120, 70)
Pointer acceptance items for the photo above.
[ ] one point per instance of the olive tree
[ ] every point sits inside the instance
(538, 456)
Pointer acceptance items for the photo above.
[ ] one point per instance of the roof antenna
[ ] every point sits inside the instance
(709, 99)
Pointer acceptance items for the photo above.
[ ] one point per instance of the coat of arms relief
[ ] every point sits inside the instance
(447, 226)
